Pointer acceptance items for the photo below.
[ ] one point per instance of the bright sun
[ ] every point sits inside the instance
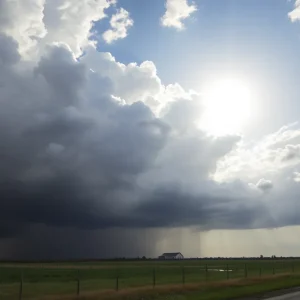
(227, 107)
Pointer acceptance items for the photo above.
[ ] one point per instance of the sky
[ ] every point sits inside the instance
(136, 127)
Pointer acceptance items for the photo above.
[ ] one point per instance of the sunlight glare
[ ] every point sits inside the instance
(227, 107)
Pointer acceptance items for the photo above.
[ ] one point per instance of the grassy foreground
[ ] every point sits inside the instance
(195, 279)
(226, 290)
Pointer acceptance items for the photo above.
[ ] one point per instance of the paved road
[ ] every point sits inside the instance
(292, 296)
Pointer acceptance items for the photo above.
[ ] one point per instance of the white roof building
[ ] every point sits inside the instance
(175, 255)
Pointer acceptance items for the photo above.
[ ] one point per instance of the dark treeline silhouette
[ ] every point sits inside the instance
(143, 258)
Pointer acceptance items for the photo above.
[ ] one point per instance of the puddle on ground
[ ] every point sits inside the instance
(219, 270)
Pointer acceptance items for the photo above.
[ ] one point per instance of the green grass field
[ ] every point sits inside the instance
(53, 279)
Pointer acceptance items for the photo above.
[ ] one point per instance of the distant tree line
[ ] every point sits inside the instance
(261, 257)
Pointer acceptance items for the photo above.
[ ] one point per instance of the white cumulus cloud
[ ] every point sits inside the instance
(120, 23)
(273, 155)
(294, 15)
(35, 24)
(176, 12)
(264, 185)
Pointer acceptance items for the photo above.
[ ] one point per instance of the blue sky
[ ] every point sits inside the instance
(221, 33)
(252, 39)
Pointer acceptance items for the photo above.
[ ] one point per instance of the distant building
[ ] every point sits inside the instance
(176, 255)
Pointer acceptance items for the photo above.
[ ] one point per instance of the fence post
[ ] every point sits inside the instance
(117, 278)
(183, 276)
(206, 273)
(117, 283)
(78, 283)
(227, 272)
(21, 287)
(154, 278)
(246, 271)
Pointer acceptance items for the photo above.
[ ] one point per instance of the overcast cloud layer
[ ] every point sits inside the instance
(90, 143)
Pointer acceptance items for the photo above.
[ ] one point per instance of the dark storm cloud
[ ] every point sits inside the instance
(61, 164)
(172, 207)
